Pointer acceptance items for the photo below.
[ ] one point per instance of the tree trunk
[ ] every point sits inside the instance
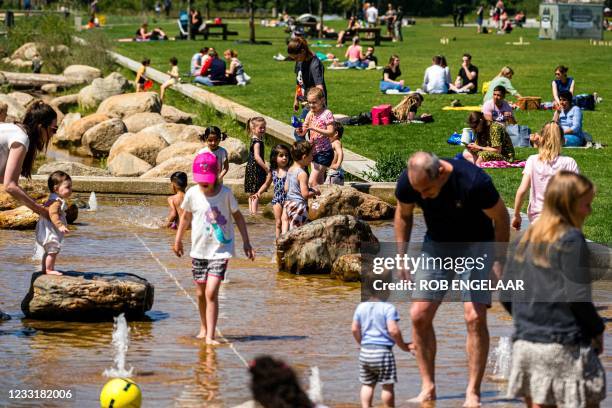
(208, 10)
(320, 18)
(19, 79)
(251, 22)
(188, 19)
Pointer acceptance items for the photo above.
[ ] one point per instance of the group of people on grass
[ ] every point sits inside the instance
(208, 69)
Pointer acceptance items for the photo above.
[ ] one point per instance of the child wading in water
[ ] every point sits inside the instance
(174, 77)
(335, 174)
(295, 210)
(256, 168)
(213, 137)
(209, 208)
(538, 171)
(141, 78)
(179, 184)
(319, 123)
(376, 330)
(50, 231)
(280, 161)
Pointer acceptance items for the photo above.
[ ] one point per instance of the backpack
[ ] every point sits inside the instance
(381, 115)
(585, 101)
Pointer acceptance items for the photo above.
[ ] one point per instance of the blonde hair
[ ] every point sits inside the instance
(251, 124)
(315, 92)
(232, 52)
(400, 111)
(551, 141)
(505, 72)
(559, 214)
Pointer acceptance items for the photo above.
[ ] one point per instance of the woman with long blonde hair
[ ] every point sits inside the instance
(558, 334)
(503, 79)
(539, 168)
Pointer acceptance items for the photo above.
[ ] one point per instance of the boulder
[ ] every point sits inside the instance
(82, 72)
(145, 146)
(25, 52)
(101, 88)
(138, 121)
(37, 192)
(120, 106)
(237, 151)
(60, 137)
(74, 132)
(18, 63)
(347, 200)
(72, 213)
(347, 268)
(100, 138)
(72, 168)
(50, 88)
(15, 110)
(236, 171)
(170, 132)
(190, 133)
(20, 218)
(178, 149)
(65, 102)
(174, 115)
(22, 98)
(181, 163)
(127, 165)
(314, 247)
(87, 296)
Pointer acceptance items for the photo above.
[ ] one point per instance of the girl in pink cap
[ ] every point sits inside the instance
(209, 207)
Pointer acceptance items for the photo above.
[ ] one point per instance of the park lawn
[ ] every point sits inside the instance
(352, 91)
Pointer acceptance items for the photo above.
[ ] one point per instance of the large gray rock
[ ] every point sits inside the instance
(138, 121)
(82, 72)
(347, 268)
(236, 171)
(190, 133)
(50, 88)
(170, 132)
(65, 102)
(178, 149)
(61, 138)
(15, 110)
(347, 200)
(314, 247)
(181, 163)
(20, 218)
(73, 133)
(174, 115)
(121, 106)
(25, 52)
(237, 151)
(100, 138)
(72, 168)
(87, 296)
(145, 146)
(101, 88)
(22, 98)
(128, 165)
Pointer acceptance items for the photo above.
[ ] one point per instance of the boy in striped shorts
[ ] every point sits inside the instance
(375, 328)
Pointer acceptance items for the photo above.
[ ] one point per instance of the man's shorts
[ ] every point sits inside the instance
(428, 282)
(203, 268)
(377, 365)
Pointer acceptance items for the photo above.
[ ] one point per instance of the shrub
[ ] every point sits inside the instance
(388, 167)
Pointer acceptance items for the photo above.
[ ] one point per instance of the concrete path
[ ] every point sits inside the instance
(353, 163)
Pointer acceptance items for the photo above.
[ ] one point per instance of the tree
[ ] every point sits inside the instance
(320, 18)
(251, 22)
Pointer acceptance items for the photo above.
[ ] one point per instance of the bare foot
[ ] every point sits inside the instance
(212, 342)
(51, 272)
(472, 400)
(424, 396)
(201, 334)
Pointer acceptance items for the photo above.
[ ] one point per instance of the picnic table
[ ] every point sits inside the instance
(216, 29)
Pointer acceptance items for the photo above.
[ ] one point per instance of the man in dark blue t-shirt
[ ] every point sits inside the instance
(460, 205)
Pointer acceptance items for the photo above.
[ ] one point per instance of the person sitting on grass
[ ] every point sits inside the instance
(492, 141)
(195, 67)
(390, 75)
(435, 80)
(561, 83)
(235, 73)
(503, 79)
(370, 60)
(570, 119)
(213, 71)
(179, 184)
(354, 54)
(467, 78)
(353, 24)
(142, 34)
(497, 109)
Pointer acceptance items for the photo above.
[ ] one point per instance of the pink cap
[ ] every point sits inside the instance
(205, 168)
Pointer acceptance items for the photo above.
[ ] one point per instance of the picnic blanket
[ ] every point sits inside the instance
(501, 164)
(463, 108)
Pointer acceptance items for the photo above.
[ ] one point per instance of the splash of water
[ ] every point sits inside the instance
(93, 202)
(120, 344)
(315, 391)
(39, 251)
(139, 215)
(502, 356)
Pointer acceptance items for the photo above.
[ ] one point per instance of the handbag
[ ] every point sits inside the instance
(381, 115)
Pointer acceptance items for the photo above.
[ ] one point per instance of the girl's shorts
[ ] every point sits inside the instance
(324, 158)
(203, 268)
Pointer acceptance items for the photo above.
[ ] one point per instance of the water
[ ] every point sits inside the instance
(121, 341)
(502, 358)
(93, 202)
(315, 391)
(304, 320)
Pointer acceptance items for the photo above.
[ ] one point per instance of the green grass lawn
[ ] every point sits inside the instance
(351, 91)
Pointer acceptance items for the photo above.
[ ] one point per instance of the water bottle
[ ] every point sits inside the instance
(467, 136)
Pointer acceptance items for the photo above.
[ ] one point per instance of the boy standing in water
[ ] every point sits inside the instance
(209, 207)
(179, 184)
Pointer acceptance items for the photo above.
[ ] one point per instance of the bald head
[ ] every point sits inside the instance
(424, 164)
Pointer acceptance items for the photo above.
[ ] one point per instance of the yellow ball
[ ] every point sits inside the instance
(120, 393)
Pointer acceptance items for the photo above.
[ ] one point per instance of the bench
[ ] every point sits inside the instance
(375, 30)
(219, 29)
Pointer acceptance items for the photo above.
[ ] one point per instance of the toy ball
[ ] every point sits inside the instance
(120, 393)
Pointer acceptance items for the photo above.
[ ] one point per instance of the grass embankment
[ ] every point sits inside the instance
(354, 91)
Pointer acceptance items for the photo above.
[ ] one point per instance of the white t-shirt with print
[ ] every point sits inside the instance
(212, 227)
(10, 134)
(220, 154)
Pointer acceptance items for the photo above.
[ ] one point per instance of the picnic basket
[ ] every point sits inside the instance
(529, 102)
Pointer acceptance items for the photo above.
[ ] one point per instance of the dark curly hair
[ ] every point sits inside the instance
(275, 385)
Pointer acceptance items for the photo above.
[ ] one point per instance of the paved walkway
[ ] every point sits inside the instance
(353, 163)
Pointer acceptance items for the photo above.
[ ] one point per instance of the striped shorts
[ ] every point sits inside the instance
(377, 365)
(203, 268)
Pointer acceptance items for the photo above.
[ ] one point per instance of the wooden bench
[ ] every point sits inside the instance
(216, 29)
(357, 31)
